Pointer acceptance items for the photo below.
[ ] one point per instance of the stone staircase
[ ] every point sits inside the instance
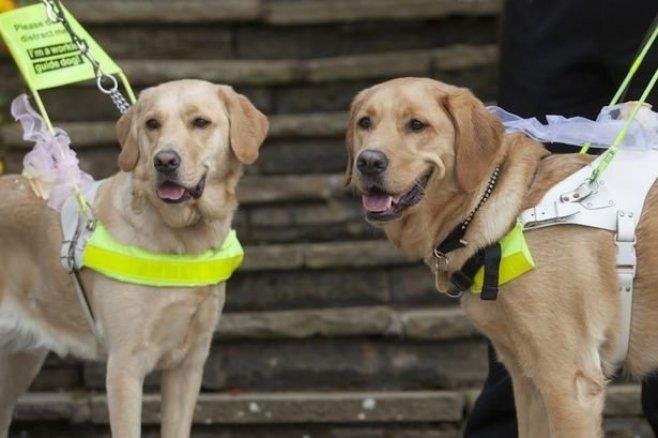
(328, 331)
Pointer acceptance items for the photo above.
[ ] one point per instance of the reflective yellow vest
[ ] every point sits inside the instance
(135, 265)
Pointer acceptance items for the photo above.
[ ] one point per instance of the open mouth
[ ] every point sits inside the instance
(381, 206)
(173, 193)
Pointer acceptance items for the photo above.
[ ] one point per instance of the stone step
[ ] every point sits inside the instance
(398, 407)
(335, 69)
(410, 325)
(336, 219)
(633, 427)
(333, 364)
(324, 255)
(279, 12)
(438, 324)
(264, 430)
(264, 41)
(294, 407)
(273, 189)
(400, 286)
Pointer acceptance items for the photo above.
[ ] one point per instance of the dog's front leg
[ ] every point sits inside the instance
(530, 412)
(125, 378)
(180, 389)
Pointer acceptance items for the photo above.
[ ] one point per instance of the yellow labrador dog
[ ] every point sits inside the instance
(421, 154)
(183, 146)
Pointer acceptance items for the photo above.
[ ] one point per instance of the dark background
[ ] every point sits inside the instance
(328, 331)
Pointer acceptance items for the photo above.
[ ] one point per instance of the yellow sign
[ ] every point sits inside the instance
(44, 52)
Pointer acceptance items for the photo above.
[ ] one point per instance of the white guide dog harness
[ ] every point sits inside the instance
(613, 202)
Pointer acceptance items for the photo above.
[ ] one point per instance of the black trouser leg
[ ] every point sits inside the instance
(650, 402)
(494, 415)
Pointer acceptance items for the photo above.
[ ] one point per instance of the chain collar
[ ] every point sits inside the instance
(455, 239)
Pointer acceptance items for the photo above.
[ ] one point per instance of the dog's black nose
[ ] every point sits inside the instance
(166, 161)
(371, 162)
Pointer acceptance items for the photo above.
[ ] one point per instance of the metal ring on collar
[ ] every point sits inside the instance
(454, 293)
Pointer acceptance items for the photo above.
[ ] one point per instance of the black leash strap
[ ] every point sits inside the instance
(490, 258)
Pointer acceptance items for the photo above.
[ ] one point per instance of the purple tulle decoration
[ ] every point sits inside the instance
(51, 165)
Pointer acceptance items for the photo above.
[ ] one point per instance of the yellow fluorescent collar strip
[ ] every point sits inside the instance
(134, 265)
(515, 261)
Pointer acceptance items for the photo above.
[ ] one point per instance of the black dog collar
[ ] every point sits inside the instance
(489, 257)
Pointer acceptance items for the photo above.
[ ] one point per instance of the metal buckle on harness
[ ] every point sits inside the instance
(441, 260)
(582, 192)
(626, 257)
(536, 217)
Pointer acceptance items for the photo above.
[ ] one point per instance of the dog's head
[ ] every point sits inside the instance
(410, 138)
(185, 142)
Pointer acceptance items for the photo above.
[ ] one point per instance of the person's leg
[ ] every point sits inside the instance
(650, 402)
(493, 414)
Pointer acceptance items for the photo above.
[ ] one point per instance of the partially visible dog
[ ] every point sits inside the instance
(183, 146)
(421, 154)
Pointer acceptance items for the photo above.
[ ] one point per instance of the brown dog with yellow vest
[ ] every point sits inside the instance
(422, 154)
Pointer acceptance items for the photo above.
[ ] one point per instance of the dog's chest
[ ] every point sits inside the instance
(186, 327)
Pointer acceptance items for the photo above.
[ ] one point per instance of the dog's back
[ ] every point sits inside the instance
(37, 301)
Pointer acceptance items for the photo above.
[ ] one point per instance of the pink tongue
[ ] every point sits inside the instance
(169, 190)
(377, 203)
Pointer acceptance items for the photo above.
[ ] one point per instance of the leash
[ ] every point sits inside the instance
(612, 150)
(105, 82)
(623, 87)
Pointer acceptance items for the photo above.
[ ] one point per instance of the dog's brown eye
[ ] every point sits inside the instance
(416, 125)
(152, 124)
(200, 122)
(364, 122)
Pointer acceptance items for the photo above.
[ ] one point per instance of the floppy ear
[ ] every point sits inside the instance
(128, 141)
(356, 105)
(478, 137)
(248, 126)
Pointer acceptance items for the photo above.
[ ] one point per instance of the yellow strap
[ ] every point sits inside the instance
(515, 261)
(135, 265)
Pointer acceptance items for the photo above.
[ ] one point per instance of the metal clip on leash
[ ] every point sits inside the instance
(106, 83)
